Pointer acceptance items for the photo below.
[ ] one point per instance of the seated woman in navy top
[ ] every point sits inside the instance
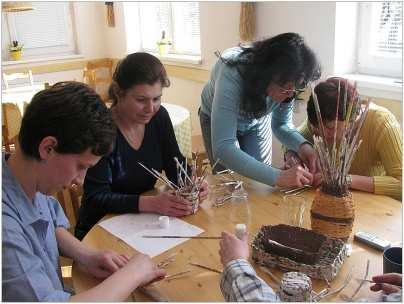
(145, 135)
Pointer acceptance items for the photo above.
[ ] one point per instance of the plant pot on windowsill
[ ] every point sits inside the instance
(163, 48)
(15, 50)
(16, 55)
(163, 44)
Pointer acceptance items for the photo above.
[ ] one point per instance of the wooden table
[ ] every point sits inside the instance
(380, 215)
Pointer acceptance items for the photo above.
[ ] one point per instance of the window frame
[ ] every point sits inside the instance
(38, 53)
(173, 53)
(372, 64)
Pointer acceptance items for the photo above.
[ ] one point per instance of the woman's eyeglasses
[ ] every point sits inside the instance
(297, 90)
(288, 91)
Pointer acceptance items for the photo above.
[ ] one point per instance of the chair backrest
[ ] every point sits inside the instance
(98, 75)
(8, 78)
(11, 124)
(70, 200)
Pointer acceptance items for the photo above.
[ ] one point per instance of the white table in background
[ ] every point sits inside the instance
(181, 119)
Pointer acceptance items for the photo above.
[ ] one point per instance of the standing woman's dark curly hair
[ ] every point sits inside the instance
(134, 69)
(281, 59)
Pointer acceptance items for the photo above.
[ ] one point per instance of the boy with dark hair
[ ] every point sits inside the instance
(65, 130)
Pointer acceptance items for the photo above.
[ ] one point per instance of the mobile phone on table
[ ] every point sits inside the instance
(372, 240)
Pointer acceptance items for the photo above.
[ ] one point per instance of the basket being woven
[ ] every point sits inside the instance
(332, 216)
(295, 287)
(296, 243)
(328, 259)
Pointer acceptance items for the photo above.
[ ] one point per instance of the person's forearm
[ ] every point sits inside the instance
(71, 247)
(388, 185)
(116, 288)
(239, 161)
(363, 183)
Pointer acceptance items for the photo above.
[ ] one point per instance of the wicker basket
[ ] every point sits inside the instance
(333, 216)
(328, 258)
(298, 244)
(192, 197)
(295, 287)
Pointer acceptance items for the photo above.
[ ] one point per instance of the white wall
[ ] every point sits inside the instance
(89, 19)
(315, 21)
(115, 37)
(219, 29)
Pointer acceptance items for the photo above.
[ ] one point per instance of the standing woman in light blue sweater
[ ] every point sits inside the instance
(251, 91)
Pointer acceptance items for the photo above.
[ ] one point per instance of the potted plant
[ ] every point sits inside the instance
(15, 50)
(163, 44)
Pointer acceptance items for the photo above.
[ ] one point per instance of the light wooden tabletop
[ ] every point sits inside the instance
(379, 215)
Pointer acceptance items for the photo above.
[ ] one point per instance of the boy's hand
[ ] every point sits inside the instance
(102, 263)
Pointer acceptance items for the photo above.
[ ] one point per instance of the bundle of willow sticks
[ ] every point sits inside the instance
(336, 158)
(187, 178)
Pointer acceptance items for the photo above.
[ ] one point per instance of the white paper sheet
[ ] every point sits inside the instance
(131, 227)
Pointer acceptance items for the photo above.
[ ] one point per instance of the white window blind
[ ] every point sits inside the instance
(47, 30)
(179, 20)
(380, 38)
(388, 35)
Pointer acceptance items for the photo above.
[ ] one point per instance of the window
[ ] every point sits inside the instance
(380, 38)
(45, 31)
(178, 20)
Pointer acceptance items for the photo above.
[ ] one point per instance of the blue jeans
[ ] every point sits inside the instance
(256, 142)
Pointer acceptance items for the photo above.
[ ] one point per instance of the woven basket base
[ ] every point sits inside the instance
(331, 256)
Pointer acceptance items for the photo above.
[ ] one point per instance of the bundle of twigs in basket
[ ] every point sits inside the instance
(336, 158)
(187, 178)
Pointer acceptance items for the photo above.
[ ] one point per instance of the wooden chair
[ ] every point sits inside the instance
(98, 75)
(7, 78)
(70, 200)
(11, 123)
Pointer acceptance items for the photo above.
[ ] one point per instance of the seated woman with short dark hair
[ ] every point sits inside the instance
(377, 165)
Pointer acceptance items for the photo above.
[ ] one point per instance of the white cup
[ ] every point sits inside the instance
(164, 222)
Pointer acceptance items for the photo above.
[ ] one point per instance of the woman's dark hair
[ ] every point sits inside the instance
(327, 96)
(281, 59)
(134, 69)
(74, 114)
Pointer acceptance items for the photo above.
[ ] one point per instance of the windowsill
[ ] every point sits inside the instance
(38, 60)
(182, 59)
(377, 86)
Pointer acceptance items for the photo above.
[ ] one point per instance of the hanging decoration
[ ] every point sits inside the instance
(110, 14)
(247, 21)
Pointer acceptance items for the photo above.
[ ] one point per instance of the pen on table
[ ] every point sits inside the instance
(181, 237)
